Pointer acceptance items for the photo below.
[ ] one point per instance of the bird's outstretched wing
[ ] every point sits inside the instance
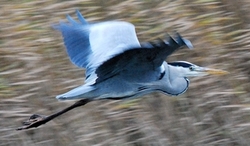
(89, 45)
(108, 48)
(76, 39)
(140, 61)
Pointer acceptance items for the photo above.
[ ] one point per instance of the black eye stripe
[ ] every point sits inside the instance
(183, 64)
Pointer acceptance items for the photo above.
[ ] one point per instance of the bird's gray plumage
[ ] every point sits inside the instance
(117, 65)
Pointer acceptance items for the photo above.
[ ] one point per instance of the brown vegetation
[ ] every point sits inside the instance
(35, 68)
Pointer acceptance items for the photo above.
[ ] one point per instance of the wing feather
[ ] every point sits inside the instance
(76, 40)
(140, 61)
(89, 45)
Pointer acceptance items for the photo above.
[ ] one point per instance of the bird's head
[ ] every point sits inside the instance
(187, 69)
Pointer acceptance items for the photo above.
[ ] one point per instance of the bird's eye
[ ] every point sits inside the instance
(191, 68)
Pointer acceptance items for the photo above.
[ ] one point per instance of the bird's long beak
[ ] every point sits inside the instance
(212, 71)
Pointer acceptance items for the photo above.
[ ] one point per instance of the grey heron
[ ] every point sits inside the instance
(118, 66)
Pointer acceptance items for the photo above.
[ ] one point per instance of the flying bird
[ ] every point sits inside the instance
(118, 66)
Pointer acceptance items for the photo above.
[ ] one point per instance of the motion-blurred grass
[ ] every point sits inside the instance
(35, 68)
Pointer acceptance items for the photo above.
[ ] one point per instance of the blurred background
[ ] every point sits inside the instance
(34, 68)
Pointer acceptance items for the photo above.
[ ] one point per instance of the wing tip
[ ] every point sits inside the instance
(72, 21)
(182, 41)
(80, 17)
(61, 25)
(178, 41)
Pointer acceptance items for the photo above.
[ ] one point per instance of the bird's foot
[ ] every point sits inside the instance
(34, 121)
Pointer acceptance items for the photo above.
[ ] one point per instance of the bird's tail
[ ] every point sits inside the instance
(80, 92)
